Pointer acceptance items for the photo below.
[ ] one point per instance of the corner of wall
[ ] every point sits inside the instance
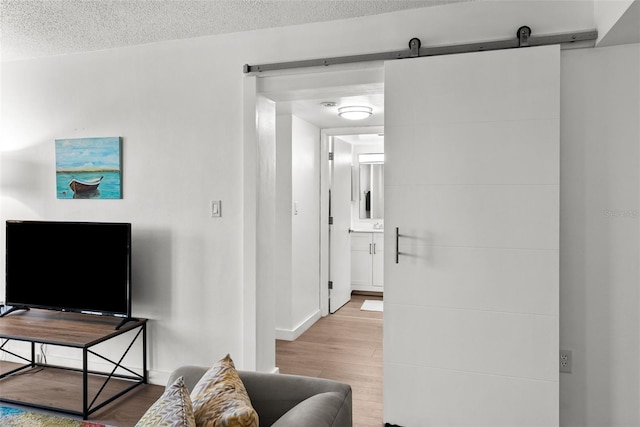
(608, 16)
(293, 334)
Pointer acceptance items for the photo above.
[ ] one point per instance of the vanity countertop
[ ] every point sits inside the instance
(367, 230)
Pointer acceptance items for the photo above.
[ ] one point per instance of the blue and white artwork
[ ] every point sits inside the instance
(89, 168)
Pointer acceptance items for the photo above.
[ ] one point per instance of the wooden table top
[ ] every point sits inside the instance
(62, 328)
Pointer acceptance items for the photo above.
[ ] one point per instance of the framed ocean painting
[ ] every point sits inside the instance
(89, 168)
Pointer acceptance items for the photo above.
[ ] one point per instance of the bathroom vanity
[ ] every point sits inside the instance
(367, 254)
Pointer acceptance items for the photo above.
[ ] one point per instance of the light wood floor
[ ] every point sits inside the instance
(345, 346)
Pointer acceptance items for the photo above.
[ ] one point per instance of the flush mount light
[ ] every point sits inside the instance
(354, 112)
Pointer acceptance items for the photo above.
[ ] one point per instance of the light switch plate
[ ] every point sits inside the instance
(216, 208)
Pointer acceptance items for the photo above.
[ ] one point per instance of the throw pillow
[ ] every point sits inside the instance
(221, 400)
(172, 409)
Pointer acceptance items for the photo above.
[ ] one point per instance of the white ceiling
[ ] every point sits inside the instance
(314, 110)
(34, 28)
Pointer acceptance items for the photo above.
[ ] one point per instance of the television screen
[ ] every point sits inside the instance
(69, 266)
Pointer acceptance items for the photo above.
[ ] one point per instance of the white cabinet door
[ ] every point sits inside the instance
(367, 261)
(377, 276)
(361, 260)
(472, 182)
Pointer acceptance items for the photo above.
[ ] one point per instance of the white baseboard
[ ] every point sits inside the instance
(158, 377)
(291, 335)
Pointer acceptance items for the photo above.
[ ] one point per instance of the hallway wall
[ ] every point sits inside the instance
(298, 226)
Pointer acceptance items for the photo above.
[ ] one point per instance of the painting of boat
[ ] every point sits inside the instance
(89, 168)
(79, 186)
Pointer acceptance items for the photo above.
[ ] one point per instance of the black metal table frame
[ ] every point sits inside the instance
(87, 407)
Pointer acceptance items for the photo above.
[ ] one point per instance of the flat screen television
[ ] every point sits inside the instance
(69, 266)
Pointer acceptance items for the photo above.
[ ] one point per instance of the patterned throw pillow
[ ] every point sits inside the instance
(172, 409)
(220, 399)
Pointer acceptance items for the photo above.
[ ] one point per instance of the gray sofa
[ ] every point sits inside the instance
(288, 400)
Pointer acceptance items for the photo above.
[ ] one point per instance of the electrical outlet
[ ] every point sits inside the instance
(566, 361)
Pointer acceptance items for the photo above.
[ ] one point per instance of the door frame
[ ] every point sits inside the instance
(259, 313)
(325, 177)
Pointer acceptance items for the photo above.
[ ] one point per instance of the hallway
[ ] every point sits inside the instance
(345, 346)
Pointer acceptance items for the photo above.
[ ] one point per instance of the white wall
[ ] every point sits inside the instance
(161, 99)
(284, 229)
(607, 13)
(306, 224)
(600, 236)
(297, 238)
(261, 291)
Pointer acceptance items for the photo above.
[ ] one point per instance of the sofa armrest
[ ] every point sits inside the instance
(328, 409)
(274, 395)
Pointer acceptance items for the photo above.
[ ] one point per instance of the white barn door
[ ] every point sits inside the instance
(472, 184)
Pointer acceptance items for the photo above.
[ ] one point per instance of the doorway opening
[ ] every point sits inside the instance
(292, 106)
(312, 101)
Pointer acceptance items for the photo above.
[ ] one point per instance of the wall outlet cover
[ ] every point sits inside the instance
(566, 361)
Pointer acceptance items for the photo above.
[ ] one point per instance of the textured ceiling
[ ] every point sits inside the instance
(34, 28)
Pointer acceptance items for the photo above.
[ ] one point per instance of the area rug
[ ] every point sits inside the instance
(15, 417)
(372, 305)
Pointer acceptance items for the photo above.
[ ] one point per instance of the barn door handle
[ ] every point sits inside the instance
(397, 244)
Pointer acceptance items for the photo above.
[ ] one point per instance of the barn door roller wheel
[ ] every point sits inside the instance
(414, 46)
(523, 35)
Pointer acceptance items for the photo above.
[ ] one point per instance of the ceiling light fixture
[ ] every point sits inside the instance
(355, 112)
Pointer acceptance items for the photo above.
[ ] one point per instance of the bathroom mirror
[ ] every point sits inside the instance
(371, 179)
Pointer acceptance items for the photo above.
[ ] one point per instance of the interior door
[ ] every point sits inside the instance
(340, 244)
(472, 188)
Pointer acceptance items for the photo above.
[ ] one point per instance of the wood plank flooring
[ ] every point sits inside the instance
(345, 346)
(61, 388)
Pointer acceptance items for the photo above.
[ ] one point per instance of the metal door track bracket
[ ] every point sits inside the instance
(523, 35)
(414, 47)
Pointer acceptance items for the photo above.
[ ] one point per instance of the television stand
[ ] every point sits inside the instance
(6, 309)
(92, 386)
